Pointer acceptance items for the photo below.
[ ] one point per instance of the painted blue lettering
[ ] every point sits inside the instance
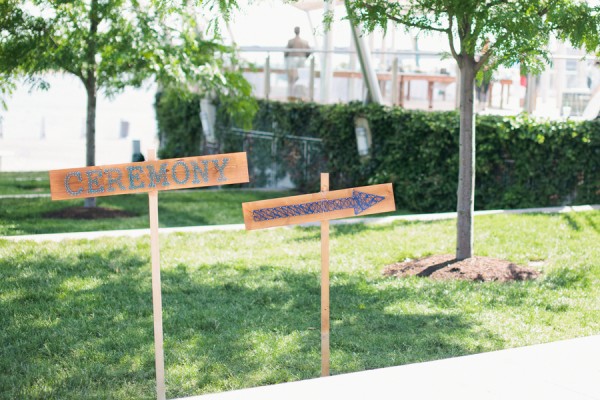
(134, 175)
(203, 172)
(156, 177)
(187, 172)
(93, 181)
(221, 168)
(110, 180)
(72, 192)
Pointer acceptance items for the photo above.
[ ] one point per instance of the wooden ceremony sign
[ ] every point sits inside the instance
(322, 207)
(150, 176)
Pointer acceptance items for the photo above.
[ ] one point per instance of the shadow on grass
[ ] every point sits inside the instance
(311, 233)
(591, 222)
(76, 326)
(79, 325)
(262, 326)
(572, 222)
(580, 221)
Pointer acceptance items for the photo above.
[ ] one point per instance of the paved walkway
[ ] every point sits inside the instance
(24, 196)
(565, 370)
(56, 237)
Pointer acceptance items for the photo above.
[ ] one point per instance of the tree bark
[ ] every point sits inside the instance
(90, 131)
(91, 91)
(466, 169)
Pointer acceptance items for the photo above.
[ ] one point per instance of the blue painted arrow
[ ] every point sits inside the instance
(359, 201)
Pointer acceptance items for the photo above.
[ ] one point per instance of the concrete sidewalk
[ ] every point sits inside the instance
(24, 196)
(57, 237)
(565, 370)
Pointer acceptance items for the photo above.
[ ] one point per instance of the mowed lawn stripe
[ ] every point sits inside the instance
(241, 309)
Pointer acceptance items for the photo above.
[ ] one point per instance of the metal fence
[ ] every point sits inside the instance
(278, 161)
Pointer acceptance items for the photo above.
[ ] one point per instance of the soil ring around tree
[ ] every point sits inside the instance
(446, 267)
(88, 213)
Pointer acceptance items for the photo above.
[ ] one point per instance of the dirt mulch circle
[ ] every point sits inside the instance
(445, 267)
(88, 213)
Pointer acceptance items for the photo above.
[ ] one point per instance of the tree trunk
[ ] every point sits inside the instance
(466, 169)
(90, 88)
(90, 131)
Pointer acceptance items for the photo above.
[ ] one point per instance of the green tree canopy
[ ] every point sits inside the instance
(518, 31)
(113, 44)
(483, 35)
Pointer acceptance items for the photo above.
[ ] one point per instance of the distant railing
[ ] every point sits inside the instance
(417, 53)
(548, 95)
(395, 71)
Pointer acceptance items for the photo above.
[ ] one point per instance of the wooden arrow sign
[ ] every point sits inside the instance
(319, 206)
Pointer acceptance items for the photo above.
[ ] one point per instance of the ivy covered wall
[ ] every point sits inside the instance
(520, 162)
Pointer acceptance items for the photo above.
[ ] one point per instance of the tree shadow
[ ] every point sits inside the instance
(312, 233)
(272, 329)
(580, 221)
(75, 325)
(435, 267)
(81, 323)
(572, 222)
(590, 221)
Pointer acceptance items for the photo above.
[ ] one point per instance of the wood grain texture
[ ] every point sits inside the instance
(325, 286)
(159, 358)
(141, 177)
(254, 218)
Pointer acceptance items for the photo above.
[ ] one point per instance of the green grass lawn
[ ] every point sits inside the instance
(22, 216)
(24, 183)
(242, 309)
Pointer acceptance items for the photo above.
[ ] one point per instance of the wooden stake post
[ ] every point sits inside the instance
(325, 285)
(322, 207)
(159, 356)
(150, 177)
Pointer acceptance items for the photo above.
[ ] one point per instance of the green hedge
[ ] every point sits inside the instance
(520, 162)
(178, 123)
